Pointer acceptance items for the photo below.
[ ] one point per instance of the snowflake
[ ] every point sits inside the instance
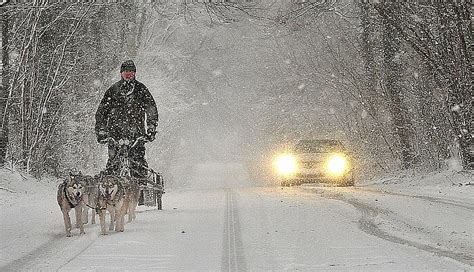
(217, 72)
(416, 18)
(455, 108)
(97, 83)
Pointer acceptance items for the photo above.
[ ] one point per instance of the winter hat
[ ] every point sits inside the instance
(128, 66)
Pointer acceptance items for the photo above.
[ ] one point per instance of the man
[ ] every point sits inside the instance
(127, 111)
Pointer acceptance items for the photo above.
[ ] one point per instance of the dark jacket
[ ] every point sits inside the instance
(122, 111)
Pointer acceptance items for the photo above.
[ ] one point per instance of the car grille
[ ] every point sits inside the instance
(311, 164)
(310, 176)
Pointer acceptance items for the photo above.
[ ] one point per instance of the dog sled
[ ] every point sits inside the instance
(151, 185)
(151, 189)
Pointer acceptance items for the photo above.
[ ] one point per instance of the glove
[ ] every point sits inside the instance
(101, 136)
(150, 133)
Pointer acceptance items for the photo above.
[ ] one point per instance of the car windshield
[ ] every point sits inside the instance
(318, 146)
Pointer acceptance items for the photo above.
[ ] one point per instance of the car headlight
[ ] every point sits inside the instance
(337, 165)
(286, 164)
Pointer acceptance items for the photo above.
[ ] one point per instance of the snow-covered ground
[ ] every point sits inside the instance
(406, 222)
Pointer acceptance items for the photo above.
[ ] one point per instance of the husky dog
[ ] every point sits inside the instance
(71, 195)
(112, 197)
(132, 193)
(92, 193)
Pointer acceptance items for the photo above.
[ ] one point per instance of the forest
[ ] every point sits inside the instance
(392, 79)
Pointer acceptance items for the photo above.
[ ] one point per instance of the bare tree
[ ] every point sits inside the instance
(394, 89)
(441, 35)
(62, 51)
(4, 95)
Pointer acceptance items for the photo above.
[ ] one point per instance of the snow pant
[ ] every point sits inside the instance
(138, 164)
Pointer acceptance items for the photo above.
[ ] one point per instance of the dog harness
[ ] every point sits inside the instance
(122, 194)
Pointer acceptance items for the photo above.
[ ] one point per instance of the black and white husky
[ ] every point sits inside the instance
(72, 195)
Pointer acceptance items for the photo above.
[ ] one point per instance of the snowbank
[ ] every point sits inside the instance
(448, 184)
(16, 187)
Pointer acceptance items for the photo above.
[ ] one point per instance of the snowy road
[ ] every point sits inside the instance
(247, 229)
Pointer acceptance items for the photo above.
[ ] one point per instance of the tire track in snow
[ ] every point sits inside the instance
(367, 224)
(428, 198)
(29, 258)
(50, 255)
(232, 254)
(79, 253)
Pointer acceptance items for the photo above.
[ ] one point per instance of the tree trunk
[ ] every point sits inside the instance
(394, 88)
(460, 94)
(368, 47)
(4, 95)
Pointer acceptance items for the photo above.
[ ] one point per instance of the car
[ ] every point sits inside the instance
(315, 160)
